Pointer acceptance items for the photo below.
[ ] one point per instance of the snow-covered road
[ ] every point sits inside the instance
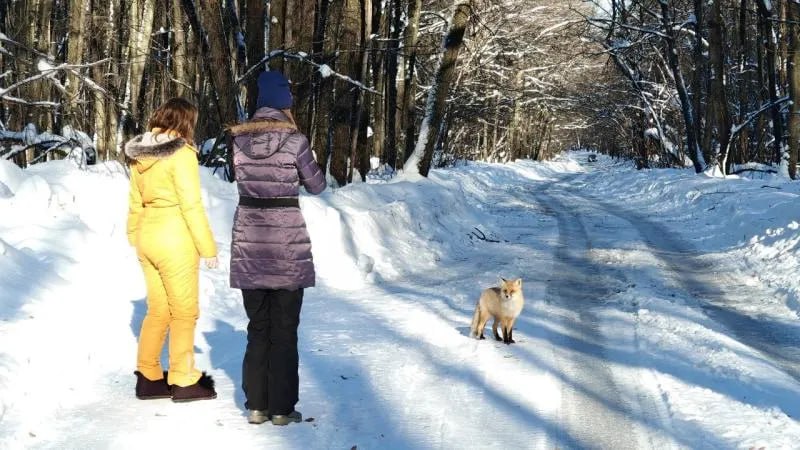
(636, 333)
(601, 407)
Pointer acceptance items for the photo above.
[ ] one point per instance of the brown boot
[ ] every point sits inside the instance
(202, 390)
(151, 389)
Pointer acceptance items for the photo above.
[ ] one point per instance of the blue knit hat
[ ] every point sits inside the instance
(273, 91)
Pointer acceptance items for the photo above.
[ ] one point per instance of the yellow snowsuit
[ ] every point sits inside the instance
(168, 226)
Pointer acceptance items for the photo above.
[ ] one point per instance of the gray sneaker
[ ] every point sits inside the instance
(280, 419)
(258, 417)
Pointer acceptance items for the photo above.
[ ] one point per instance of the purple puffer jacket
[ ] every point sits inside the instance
(271, 248)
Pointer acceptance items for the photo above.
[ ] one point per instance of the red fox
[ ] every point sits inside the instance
(504, 303)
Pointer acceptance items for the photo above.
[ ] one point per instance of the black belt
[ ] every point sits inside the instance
(275, 202)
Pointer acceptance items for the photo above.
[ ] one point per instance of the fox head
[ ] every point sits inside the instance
(510, 288)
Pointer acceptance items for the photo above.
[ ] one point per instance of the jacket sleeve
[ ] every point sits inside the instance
(311, 176)
(134, 208)
(186, 179)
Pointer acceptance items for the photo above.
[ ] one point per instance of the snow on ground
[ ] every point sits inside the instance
(672, 265)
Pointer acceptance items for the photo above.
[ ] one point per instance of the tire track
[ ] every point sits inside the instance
(597, 410)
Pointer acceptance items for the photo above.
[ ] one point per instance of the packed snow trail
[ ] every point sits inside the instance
(584, 277)
(593, 408)
(712, 282)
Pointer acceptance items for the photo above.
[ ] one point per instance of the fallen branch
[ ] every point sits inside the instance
(482, 235)
(754, 170)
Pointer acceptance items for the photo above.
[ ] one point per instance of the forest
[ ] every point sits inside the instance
(414, 84)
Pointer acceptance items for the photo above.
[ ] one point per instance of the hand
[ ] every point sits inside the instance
(212, 263)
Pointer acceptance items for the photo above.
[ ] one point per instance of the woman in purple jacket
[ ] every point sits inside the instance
(271, 250)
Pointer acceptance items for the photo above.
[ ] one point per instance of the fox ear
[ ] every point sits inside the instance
(518, 282)
(503, 281)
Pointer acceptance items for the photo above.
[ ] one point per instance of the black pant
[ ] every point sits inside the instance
(269, 372)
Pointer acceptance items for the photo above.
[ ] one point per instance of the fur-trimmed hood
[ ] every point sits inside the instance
(265, 120)
(266, 133)
(262, 126)
(149, 148)
(153, 145)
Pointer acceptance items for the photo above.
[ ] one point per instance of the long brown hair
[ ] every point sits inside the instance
(176, 114)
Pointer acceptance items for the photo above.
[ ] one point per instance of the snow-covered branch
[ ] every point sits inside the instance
(324, 69)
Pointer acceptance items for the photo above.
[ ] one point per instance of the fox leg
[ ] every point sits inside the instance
(479, 322)
(494, 330)
(508, 332)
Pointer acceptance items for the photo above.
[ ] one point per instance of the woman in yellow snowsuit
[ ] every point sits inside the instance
(168, 226)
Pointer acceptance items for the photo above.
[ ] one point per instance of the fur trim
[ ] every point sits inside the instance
(262, 126)
(145, 146)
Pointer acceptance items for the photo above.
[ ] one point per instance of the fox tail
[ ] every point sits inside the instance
(473, 328)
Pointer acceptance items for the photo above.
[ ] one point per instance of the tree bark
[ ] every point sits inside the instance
(101, 45)
(140, 20)
(324, 53)
(719, 114)
(380, 78)
(699, 75)
(358, 148)
(793, 72)
(410, 40)
(256, 16)
(695, 154)
(392, 124)
(219, 60)
(745, 84)
(78, 18)
(179, 52)
(277, 15)
(767, 15)
(420, 161)
(345, 112)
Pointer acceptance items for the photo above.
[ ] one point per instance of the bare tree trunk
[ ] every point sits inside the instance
(179, 51)
(141, 15)
(324, 51)
(345, 111)
(392, 123)
(157, 71)
(793, 71)
(101, 38)
(782, 38)
(256, 47)
(38, 37)
(277, 17)
(356, 157)
(303, 36)
(288, 25)
(515, 131)
(381, 83)
(719, 116)
(767, 15)
(745, 84)
(700, 74)
(410, 40)
(78, 17)
(420, 161)
(695, 154)
(219, 60)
